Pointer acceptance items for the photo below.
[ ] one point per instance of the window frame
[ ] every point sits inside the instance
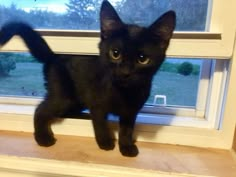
(217, 43)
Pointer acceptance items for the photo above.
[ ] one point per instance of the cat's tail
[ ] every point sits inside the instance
(33, 40)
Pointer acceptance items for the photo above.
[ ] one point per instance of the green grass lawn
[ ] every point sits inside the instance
(27, 80)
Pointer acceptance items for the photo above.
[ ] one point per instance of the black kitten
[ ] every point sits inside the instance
(116, 82)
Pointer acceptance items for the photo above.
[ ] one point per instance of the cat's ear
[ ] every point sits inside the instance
(109, 19)
(164, 26)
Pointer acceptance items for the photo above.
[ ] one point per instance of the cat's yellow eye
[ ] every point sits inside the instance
(143, 60)
(115, 54)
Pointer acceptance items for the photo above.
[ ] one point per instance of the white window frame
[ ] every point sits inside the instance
(217, 43)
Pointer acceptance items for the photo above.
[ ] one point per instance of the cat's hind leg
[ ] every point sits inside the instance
(47, 113)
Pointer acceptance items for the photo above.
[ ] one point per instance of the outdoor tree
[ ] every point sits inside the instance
(7, 63)
(10, 13)
(139, 11)
(186, 68)
(191, 15)
(84, 13)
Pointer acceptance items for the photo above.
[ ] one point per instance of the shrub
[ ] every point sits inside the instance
(186, 68)
(169, 67)
(196, 70)
(7, 63)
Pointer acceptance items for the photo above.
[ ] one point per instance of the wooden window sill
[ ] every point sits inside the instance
(169, 159)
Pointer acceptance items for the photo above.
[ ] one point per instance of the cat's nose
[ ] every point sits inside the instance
(125, 72)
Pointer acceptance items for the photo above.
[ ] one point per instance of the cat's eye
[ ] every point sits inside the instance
(115, 54)
(143, 60)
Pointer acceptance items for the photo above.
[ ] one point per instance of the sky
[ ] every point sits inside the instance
(50, 5)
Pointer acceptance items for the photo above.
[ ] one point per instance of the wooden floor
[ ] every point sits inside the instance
(160, 157)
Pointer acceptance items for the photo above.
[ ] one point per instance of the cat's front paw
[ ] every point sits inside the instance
(44, 139)
(129, 151)
(106, 144)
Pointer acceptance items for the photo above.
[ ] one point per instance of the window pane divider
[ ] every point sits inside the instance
(96, 34)
(190, 45)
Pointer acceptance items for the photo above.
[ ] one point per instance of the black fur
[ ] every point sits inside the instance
(118, 81)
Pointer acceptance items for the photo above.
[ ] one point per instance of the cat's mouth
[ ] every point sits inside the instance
(125, 81)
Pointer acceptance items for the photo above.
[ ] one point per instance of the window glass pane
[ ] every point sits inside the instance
(83, 14)
(177, 80)
(20, 75)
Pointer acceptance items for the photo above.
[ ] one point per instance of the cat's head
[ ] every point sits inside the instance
(133, 53)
